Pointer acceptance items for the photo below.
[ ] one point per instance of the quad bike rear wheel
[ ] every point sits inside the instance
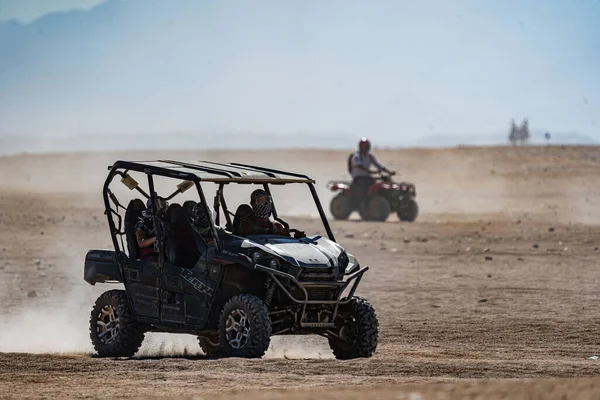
(379, 208)
(359, 332)
(363, 211)
(408, 211)
(375, 208)
(244, 327)
(340, 207)
(113, 330)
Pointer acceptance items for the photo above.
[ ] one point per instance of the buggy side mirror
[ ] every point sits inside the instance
(184, 186)
(129, 182)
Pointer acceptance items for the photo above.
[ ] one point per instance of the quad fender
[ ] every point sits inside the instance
(338, 186)
(374, 188)
(102, 266)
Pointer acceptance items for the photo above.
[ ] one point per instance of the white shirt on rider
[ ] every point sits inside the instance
(365, 161)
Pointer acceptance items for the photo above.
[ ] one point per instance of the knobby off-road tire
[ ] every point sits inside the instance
(113, 330)
(379, 208)
(244, 327)
(340, 207)
(210, 346)
(409, 211)
(363, 211)
(359, 334)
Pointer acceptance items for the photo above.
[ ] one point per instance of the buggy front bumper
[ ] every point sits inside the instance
(352, 278)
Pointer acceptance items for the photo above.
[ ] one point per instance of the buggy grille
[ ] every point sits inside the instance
(315, 293)
(318, 274)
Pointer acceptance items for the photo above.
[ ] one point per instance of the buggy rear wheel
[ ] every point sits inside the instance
(113, 330)
(244, 327)
(340, 207)
(359, 333)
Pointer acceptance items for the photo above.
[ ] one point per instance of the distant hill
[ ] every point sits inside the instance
(537, 137)
(11, 144)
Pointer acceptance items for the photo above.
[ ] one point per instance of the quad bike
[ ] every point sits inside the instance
(383, 197)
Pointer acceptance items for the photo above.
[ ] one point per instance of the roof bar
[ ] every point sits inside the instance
(231, 165)
(229, 174)
(263, 169)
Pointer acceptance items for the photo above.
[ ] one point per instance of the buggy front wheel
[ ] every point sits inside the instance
(358, 333)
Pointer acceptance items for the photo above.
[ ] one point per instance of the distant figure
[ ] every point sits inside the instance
(524, 136)
(512, 136)
(547, 136)
(519, 134)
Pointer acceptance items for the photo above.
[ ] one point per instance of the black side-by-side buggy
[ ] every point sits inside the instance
(234, 294)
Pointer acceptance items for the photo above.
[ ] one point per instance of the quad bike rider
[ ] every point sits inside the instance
(373, 194)
(358, 166)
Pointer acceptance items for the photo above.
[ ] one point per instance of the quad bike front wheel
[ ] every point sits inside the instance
(358, 333)
(113, 330)
(408, 211)
(340, 207)
(244, 327)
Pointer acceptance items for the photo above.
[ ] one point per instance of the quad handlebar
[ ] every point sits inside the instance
(386, 177)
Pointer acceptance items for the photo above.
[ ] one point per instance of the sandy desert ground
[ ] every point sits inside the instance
(492, 293)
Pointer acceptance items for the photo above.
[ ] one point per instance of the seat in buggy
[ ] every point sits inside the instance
(183, 245)
(133, 213)
(243, 211)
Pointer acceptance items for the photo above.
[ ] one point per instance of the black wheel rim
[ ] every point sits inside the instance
(237, 329)
(107, 324)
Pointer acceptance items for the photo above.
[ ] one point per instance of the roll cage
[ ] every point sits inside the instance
(192, 174)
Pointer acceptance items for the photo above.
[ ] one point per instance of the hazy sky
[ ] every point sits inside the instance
(29, 10)
(385, 68)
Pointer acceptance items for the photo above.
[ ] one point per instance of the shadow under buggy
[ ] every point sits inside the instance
(233, 294)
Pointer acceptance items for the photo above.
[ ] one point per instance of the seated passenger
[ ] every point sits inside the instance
(199, 220)
(258, 222)
(145, 232)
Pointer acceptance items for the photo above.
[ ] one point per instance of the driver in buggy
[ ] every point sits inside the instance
(358, 166)
(258, 222)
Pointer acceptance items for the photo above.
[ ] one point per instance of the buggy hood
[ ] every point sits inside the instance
(315, 251)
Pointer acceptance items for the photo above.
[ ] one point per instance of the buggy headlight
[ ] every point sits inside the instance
(256, 256)
(343, 260)
(273, 263)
